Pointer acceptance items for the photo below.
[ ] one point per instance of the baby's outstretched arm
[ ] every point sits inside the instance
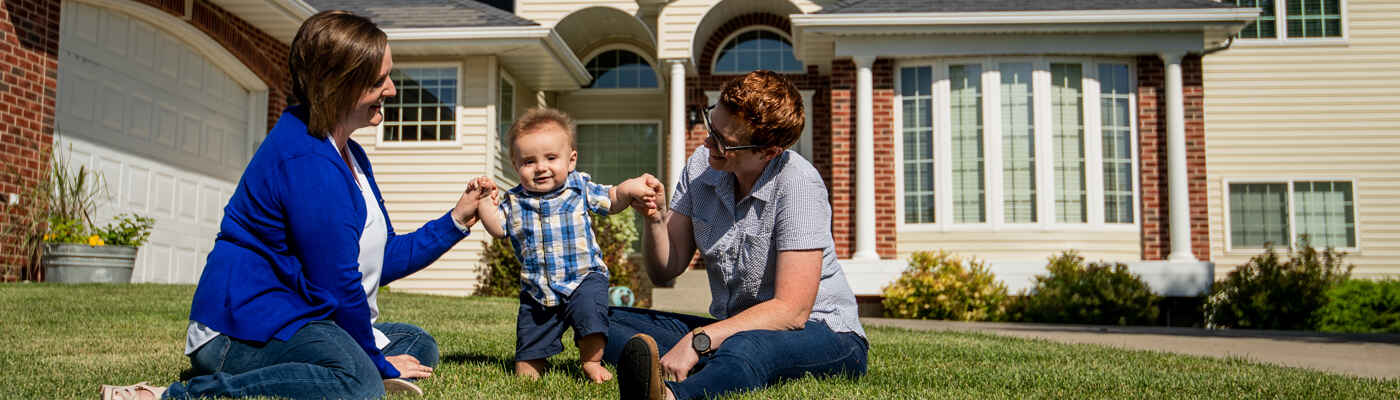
(643, 193)
(490, 214)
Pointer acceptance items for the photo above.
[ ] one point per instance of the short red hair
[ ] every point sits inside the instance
(768, 107)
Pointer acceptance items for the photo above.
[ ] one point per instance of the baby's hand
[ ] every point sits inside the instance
(646, 194)
(477, 189)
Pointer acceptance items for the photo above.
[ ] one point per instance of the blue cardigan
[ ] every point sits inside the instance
(288, 246)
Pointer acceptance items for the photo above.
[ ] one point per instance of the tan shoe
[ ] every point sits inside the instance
(639, 370)
(138, 391)
(400, 386)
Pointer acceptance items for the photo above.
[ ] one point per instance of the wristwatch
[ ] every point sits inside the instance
(700, 341)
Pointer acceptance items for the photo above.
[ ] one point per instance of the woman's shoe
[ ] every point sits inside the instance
(639, 370)
(400, 386)
(132, 392)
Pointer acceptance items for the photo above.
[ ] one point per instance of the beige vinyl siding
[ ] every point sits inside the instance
(550, 12)
(628, 105)
(1036, 245)
(1299, 111)
(421, 183)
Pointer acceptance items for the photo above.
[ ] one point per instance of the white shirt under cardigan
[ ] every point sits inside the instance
(372, 242)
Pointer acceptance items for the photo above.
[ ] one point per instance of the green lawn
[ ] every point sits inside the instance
(64, 341)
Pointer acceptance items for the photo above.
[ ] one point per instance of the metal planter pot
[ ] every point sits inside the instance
(80, 263)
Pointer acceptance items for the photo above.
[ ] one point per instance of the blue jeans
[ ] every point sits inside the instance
(320, 361)
(747, 360)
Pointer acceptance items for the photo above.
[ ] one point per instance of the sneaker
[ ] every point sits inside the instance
(639, 370)
(401, 386)
(132, 392)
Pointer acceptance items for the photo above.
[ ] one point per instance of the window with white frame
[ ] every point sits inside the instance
(425, 109)
(983, 118)
(620, 69)
(755, 49)
(505, 117)
(1300, 19)
(1284, 213)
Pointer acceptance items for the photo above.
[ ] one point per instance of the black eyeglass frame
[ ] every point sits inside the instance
(719, 144)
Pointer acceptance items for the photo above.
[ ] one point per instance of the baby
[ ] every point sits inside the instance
(564, 282)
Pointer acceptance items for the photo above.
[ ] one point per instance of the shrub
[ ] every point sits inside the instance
(499, 270)
(1098, 293)
(1361, 306)
(943, 286)
(1268, 293)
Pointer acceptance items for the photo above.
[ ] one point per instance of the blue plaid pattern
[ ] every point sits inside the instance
(553, 236)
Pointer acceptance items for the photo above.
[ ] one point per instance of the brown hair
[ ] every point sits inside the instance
(536, 118)
(335, 58)
(768, 107)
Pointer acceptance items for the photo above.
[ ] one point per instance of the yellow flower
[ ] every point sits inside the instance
(48, 237)
(95, 241)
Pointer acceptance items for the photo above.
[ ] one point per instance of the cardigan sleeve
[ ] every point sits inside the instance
(325, 235)
(408, 253)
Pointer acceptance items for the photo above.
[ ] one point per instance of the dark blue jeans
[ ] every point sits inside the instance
(747, 360)
(320, 361)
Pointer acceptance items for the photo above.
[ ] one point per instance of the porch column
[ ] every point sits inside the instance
(675, 151)
(1180, 206)
(865, 161)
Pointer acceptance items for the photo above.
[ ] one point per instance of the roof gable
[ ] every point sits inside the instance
(425, 13)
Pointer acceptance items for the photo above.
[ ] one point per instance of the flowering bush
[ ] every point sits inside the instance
(72, 200)
(943, 286)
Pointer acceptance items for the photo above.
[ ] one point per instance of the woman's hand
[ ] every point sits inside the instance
(465, 211)
(645, 194)
(409, 367)
(676, 364)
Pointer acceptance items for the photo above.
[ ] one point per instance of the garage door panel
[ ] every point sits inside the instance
(167, 129)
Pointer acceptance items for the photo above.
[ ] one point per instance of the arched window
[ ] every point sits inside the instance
(619, 69)
(757, 49)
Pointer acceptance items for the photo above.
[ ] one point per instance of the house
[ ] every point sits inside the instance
(1008, 130)
(1302, 133)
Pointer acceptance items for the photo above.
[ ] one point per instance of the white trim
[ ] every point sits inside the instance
(991, 109)
(1281, 30)
(651, 61)
(1292, 215)
(457, 112)
(497, 139)
(719, 50)
(1025, 17)
(546, 35)
(297, 9)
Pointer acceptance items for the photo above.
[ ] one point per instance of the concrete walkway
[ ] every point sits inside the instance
(1376, 356)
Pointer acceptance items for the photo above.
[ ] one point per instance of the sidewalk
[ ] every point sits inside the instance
(1375, 356)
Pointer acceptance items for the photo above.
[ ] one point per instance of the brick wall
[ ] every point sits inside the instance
(843, 144)
(29, 39)
(28, 91)
(1152, 129)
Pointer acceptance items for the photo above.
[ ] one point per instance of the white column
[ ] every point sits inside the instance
(675, 151)
(1180, 206)
(865, 161)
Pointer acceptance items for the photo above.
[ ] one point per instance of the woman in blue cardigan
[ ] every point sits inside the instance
(286, 304)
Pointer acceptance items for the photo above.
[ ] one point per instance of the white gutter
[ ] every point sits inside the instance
(1025, 17)
(545, 35)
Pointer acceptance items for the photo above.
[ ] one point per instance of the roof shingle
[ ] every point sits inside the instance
(936, 6)
(425, 13)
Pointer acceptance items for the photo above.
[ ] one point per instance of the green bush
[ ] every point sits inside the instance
(1269, 293)
(499, 271)
(1361, 306)
(943, 286)
(1098, 293)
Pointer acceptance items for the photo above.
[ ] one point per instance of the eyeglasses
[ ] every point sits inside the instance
(719, 143)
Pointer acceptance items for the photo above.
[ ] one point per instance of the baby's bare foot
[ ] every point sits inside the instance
(530, 369)
(596, 372)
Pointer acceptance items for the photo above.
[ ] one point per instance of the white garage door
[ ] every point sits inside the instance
(168, 129)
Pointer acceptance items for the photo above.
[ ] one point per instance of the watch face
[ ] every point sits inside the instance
(701, 343)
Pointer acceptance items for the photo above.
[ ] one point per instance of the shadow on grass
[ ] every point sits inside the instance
(569, 367)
